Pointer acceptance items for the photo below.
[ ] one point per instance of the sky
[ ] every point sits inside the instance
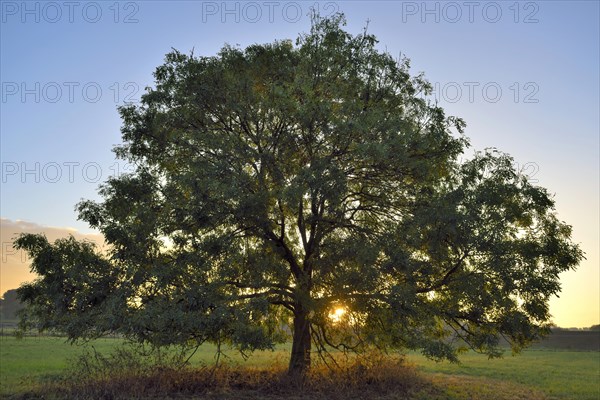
(523, 75)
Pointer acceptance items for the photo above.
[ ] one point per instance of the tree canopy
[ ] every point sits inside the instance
(278, 183)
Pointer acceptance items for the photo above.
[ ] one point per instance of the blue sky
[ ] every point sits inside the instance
(524, 76)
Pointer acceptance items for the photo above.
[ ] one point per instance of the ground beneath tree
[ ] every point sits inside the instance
(386, 381)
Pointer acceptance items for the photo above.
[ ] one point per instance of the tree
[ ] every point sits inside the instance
(276, 184)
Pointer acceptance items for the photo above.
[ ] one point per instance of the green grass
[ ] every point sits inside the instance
(37, 358)
(557, 374)
(23, 362)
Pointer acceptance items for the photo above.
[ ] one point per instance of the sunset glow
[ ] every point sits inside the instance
(337, 314)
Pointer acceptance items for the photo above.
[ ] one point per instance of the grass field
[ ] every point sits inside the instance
(542, 374)
(558, 374)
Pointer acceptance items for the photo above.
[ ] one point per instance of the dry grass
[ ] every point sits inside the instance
(383, 379)
(388, 380)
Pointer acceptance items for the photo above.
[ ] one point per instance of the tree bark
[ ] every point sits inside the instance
(301, 345)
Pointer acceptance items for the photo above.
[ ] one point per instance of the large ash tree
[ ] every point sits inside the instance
(276, 184)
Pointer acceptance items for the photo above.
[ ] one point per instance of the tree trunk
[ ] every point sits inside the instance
(301, 345)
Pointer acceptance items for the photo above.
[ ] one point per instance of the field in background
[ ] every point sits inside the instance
(557, 374)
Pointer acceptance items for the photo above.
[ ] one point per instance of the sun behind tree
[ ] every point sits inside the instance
(290, 179)
(337, 314)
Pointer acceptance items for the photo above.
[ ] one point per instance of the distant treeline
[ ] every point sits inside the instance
(9, 305)
(591, 328)
(565, 339)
